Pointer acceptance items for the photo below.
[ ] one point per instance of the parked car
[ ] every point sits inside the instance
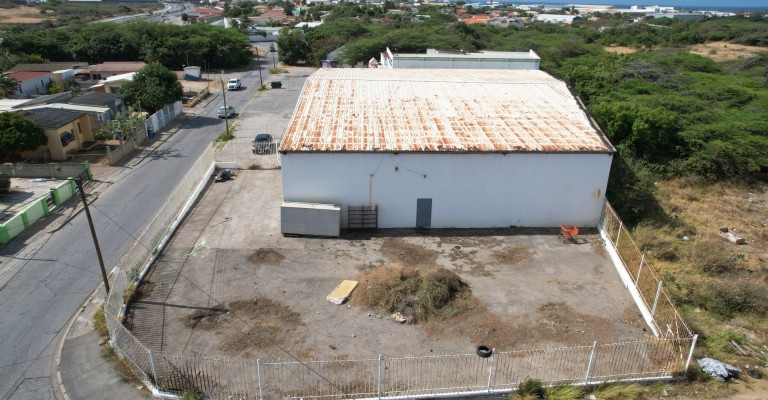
(233, 84)
(262, 144)
(226, 112)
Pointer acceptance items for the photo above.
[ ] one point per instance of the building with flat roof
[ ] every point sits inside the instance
(446, 148)
(463, 60)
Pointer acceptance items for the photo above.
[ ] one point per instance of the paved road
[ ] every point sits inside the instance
(41, 290)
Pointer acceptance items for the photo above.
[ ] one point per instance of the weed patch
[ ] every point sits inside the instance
(225, 136)
(100, 322)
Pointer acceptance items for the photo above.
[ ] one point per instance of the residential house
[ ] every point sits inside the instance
(66, 131)
(31, 83)
(112, 68)
(113, 83)
(48, 66)
(113, 101)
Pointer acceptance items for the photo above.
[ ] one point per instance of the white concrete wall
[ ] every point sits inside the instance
(467, 190)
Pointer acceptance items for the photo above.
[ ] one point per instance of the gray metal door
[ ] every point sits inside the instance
(423, 213)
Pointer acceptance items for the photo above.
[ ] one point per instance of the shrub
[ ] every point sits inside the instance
(5, 183)
(712, 256)
(530, 388)
(695, 374)
(191, 394)
(656, 243)
(727, 297)
(100, 322)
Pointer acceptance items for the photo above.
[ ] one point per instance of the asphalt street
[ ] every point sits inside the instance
(40, 290)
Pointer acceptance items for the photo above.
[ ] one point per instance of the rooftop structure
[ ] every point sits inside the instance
(95, 98)
(52, 117)
(445, 111)
(463, 60)
(118, 67)
(49, 66)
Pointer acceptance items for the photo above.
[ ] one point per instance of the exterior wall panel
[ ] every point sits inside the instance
(467, 190)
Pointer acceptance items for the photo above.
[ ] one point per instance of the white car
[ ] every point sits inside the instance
(227, 112)
(233, 84)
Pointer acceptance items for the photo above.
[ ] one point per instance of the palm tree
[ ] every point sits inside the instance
(8, 86)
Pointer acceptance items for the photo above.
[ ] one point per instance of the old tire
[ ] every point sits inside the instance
(484, 351)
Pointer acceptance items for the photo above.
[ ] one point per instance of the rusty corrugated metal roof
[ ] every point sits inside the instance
(433, 110)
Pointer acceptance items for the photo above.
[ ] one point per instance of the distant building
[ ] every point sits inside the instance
(463, 60)
(112, 68)
(557, 18)
(683, 16)
(48, 66)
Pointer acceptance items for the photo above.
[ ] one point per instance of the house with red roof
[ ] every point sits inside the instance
(31, 82)
(478, 19)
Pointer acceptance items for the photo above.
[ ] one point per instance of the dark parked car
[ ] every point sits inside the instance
(262, 144)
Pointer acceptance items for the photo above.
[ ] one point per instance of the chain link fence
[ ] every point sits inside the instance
(662, 357)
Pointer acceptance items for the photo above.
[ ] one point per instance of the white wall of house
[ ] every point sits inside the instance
(467, 190)
(465, 63)
(34, 86)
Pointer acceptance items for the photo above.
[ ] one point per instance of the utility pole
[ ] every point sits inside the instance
(258, 61)
(224, 95)
(273, 51)
(79, 182)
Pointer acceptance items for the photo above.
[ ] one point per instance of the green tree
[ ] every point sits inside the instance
(97, 43)
(8, 86)
(154, 86)
(294, 47)
(55, 87)
(19, 134)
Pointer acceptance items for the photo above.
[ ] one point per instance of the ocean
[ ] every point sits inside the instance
(694, 5)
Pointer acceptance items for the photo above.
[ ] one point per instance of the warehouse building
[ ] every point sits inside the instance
(445, 148)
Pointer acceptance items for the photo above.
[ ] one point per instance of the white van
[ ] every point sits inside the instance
(233, 84)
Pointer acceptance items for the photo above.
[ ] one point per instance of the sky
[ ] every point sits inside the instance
(679, 4)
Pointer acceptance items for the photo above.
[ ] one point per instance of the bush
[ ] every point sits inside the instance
(191, 394)
(530, 388)
(100, 322)
(713, 256)
(225, 136)
(657, 243)
(5, 183)
(695, 374)
(728, 297)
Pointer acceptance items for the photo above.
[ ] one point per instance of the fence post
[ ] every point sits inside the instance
(591, 361)
(690, 353)
(490, 369)
(656, 299)
(154, 370)
(640, 269)
(258, 373)
(378, 381)
(618, 234)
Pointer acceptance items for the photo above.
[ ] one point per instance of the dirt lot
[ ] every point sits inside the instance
(723, 51)
(230, 285)
(22, 15)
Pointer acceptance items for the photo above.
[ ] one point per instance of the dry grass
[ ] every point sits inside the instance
(433, 294)
(723, 51)
(23, 15)
(620, 49)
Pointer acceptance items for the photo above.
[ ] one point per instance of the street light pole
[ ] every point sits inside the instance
(79, 182)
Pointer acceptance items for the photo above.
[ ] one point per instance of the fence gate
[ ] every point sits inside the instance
(363, 217)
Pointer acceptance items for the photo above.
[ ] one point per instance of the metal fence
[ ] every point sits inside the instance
(666, 321)
(662, 357)
(239, 152)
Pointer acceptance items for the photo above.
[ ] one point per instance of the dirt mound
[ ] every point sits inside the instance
(407, 254)
(258, 323)
(266, 257)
